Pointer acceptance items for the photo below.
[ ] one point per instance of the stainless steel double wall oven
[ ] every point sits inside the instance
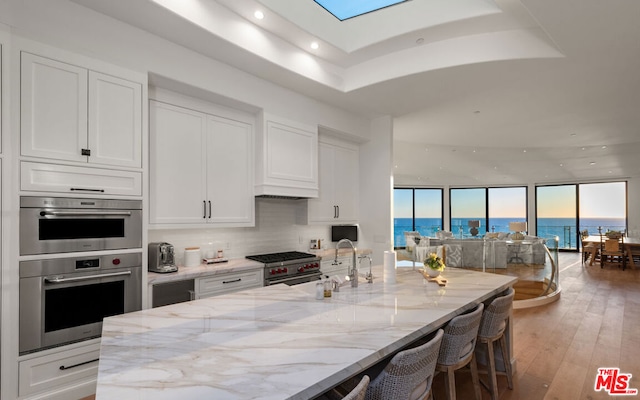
(65, 296)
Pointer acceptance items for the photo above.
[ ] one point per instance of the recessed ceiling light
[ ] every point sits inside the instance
(474, 150)
(573, 135)
(426, 149)
(258, 14)
(610, 172)
(592, 163)
(583, 148)
(562, 165)
(476, 112)
(314, 45)
(396, 166)
(604, 147)
(420, 41)
(524, 151)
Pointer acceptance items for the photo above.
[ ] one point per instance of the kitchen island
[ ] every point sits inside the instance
(277, 342)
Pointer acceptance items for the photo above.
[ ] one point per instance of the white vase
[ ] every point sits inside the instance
(432, 272)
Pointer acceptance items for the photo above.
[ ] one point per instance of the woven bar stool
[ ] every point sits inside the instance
(457, 350)
(359, 391)
(493, 326)
(409, 374)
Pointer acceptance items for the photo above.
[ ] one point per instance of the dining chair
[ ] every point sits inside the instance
(409, 374)
(458, 350)
(612, 252)
(493, 327)
(589, 249)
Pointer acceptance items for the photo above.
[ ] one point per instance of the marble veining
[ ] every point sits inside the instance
(277, 342)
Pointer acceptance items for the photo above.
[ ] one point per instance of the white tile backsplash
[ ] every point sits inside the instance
(275, 231)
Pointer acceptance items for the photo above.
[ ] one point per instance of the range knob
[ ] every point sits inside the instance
(284, 270)
(279, 270)
(301, 269)
(272, 272)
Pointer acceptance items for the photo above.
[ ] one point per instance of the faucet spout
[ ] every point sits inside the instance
(353, 271)
(369, 276)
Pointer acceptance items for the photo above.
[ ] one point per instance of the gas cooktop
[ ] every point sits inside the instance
(280, 257)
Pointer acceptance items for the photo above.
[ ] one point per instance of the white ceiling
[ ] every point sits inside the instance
(483, 92)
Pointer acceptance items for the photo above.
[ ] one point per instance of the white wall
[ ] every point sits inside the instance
(633, 206)
(376, 189)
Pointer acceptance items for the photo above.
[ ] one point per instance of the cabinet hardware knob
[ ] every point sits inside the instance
(86, 152)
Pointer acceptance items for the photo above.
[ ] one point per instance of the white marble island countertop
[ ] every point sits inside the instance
(277, 342)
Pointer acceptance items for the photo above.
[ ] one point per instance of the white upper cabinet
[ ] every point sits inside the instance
(70, 113)
(201, 168)
(339, 184)
(115, 121)
(287, 153)
(177, 155)
(230, 171)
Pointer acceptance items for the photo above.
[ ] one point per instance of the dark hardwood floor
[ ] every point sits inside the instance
(560, 346)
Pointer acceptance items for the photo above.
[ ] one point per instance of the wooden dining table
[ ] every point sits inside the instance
(631, 246)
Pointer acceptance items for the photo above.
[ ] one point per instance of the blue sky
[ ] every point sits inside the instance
(347, 9)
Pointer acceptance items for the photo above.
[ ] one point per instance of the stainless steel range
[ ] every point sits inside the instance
(290, 267)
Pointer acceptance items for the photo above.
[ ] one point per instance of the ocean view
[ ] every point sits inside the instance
(548, 228)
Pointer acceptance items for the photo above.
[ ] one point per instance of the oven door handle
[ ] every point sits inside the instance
(62, 279)
(293, 278)
(85, 213)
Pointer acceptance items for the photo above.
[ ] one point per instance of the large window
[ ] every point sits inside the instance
(468, 205)
(416, 210)
(556, 214)
(565, 210)
(494, 208)
(603, 207)
(506, 205)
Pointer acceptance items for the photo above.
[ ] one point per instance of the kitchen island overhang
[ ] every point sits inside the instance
(278, 342)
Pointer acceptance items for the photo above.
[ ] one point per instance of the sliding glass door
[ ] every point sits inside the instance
(506, 205)
(468, 205)
(565, 210)
(603, 207)
(556, 214)
(416, 209)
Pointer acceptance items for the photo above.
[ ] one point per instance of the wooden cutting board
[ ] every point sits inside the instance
(440, 280)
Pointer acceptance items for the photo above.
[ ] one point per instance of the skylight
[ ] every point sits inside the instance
(342, 9)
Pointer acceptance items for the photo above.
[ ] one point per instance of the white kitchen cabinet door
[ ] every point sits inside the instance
(323, 208)
(230, 172)
(177, 173)
(53, 109)
(115, 121)
(347, 184)
(339, 185)
(70, 113)
(287, 159)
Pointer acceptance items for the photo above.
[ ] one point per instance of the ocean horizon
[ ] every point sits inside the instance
(564, 228)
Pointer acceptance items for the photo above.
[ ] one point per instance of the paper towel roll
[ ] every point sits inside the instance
(389, 267)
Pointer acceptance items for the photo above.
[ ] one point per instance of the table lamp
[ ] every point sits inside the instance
(518, 228)
(473, 224)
